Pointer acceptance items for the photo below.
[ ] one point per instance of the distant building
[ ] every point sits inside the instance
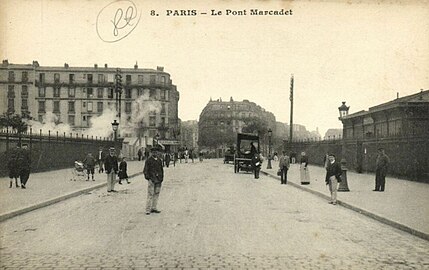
(189, 134)
(220, 121)
(333, 134)
(77, 94)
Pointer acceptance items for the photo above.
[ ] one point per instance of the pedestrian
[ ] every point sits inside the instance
(284, 165)
(333, 177)
(139, 154)
(100, 159)
(304, 170)
(89, 163)
(24, 164)
(12, 165)
(276, 157)
(111, 168)
(154, 174)
(201, 156)
(381, 166)
(167, 159)
(123, 171)
(256, 164)
(252, 149)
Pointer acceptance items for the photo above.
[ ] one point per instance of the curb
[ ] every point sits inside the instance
(30, 208)
(381, 219)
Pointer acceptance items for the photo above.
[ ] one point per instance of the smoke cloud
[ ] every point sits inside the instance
(50, 121)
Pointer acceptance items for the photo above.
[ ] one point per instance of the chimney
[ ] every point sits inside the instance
(66, 65)
(35, 63)
(105, 65)
(160, 68)
(5, 62)
(95, 66)
(397, 95)
(136, 66)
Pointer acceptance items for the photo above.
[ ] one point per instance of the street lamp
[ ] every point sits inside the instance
(157, 138)
(344, 111)
(115, 125)
(270, 134)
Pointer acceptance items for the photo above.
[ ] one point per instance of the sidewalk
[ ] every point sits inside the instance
(46, 188)
(404, 204)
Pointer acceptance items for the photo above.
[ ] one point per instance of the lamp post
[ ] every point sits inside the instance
(344, 187)
(115, 125)
(270, 133)
(157, 138)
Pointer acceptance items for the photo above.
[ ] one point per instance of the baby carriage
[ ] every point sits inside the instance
(78, 171)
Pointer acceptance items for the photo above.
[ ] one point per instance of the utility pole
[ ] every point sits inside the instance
(118, 92)
(291, 110)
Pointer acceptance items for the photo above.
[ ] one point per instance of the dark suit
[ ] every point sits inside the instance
(154, 173)
(24, 163)
(256, 164)
(111, 167)
(381, 166)
(333, 176)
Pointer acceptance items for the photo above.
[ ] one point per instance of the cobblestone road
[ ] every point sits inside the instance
(211, 218)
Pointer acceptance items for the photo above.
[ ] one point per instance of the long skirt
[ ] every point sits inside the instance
(304, 175)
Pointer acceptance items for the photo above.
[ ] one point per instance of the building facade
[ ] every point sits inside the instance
(148, 103)
(220, 121)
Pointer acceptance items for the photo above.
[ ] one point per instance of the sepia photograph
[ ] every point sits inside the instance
(214, 134)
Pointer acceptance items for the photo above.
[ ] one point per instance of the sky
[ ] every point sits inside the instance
(356, 51)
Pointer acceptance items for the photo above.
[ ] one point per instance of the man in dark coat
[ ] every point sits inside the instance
(333, 177)
(154, 174)
(167, 159)
(12, 165)
(24, 164)
(89, 162)
(284, 165)
(139, 154)
(256, 164)
(381, 166)
(111, 167)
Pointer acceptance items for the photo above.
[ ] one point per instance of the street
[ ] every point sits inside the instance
(210, 218)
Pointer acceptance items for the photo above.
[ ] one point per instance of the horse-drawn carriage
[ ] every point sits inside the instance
(247, 145)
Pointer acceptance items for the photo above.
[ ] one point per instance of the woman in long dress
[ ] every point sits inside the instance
(304, 169)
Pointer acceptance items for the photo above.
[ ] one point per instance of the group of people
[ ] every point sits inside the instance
(18, 164)
(333, 171)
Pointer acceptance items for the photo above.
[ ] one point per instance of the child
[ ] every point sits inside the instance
(123, 171)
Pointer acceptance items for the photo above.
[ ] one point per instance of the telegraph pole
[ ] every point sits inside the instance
(118, 92)
(291, 110)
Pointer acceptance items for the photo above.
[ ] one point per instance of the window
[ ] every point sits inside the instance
(152, 121)
(41, 106)
(11, 104)
(24, 104)
(84, 104)
(110, 95)
(57, 91)
(163, 108)
(42, 77)
(40, 117)
(140, 79)
(152, 93)
(42, 91)
(101, 78)
(24, 92)
(89, 92)
(89, 106)
(100, 92)
(99, 107)
(56, 77)
(71, 106)
(163, 80)
(127, 93)
(71, 120)
(11, 91)
(140, 90)
(71, 78)
(162, 121)
(128, 107)
(163, 94)
(152, 79)
(89, 78)
(24, 76)
(128, 79)
(72, 92)
(56, 106)
(11, 77)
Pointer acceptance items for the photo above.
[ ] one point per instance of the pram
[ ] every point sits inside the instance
(78, 171)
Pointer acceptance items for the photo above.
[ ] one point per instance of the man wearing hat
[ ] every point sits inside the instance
(24, 164)
(111, 168)
(381, 165)
(333, 177)
(154, 174)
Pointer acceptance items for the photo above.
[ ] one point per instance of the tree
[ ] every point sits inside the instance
(15, 121)
(214, 137)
